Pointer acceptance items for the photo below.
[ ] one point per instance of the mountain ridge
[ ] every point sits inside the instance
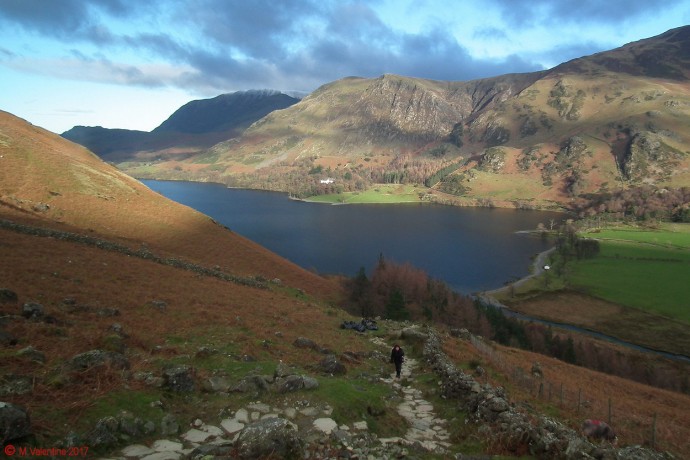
(194, 126)
(538, 139)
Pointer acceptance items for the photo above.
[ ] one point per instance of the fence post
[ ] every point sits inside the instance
(549, 391)
(541, 389)
(654, 432)
(561, 394)
(609, 411)
(579, 399)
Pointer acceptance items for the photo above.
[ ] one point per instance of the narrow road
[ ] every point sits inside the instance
(538, 268)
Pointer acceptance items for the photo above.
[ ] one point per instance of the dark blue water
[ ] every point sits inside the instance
(471, 249)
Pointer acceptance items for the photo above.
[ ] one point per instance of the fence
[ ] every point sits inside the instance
(641, 429)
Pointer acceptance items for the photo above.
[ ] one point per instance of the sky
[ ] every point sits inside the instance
(131, 63)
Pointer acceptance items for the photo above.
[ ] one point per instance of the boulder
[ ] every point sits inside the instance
(325, 425)
(275, 437)
(32, 310)
(205, 352)
(640, 453)
(282, 370)
(303, 342)
(14, 422)
(117, 329)
(41, 207)
(108, 312)
(295, 383)
(7, 339)
(169, 425)
(129, 425)
(105, 433)
(11, 385)
(97, 358)
(32, 354)
(251, 384)
(204, 451)
(7, 296)
(179, 379)
(137, 451)
(231, 425)
(216, 384)
(331, 365)
(309, 383)
(290, 384)
(463, 334)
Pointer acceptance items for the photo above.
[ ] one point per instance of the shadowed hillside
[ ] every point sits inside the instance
(62, 185)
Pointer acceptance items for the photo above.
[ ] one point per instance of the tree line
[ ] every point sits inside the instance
(639, 203)
(403, 292)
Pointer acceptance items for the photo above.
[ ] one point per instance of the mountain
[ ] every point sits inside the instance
(193, 127)
(602, 122)
(226, 112)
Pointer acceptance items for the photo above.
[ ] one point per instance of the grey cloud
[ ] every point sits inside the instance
(357, 43)
(252, 27)
(492, 33)
(6, 53)
(241, 44)
(60, 18)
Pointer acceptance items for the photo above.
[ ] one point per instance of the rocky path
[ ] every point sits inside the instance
(425, 427)
(312, 424)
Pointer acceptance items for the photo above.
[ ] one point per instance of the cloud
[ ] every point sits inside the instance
(64, 18)
(212, 46)
(612, 12)
(82, 68)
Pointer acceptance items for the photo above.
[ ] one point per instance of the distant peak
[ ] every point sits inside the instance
(259, 92)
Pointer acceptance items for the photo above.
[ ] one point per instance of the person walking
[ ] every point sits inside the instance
(397, 358)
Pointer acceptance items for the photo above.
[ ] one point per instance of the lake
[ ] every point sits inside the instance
(471, 249)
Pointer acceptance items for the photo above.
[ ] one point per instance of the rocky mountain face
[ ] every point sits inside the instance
(195, 126)
(598, 123)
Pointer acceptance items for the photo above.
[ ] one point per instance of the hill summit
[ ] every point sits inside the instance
(193, 127)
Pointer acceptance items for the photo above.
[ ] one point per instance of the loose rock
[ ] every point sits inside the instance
(14, 422)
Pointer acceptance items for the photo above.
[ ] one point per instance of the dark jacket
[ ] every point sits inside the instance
(397, 356)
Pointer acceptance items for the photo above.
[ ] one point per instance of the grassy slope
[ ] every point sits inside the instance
(636, 289)
(383, 193)
(202, 311)
(40, 167)
(648, 278)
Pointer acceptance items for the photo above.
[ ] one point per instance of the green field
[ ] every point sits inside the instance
(382, 193)
(669, 235)
(645, 269)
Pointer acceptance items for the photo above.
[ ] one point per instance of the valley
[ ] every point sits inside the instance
(129, 321)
